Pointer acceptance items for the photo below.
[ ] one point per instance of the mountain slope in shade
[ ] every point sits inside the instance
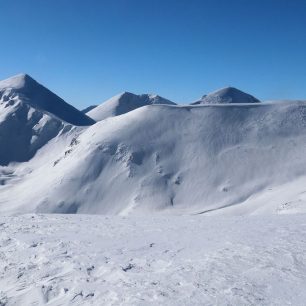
(226, 96)
(31, 115)
(124, 103)
(236, 159)
(23, 130)
(37, 96)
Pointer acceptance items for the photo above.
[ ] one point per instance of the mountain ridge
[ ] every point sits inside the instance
(123, 103)
(153, 156)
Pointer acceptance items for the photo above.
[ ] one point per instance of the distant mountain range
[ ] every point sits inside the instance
(141, 154)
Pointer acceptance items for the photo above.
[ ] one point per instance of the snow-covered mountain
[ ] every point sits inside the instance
(124, 103)
(225, 96)
(30, 92)
(236, 159)
(227, 156)
(231, 157)
(31, 115)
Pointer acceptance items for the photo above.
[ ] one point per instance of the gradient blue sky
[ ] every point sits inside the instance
(87, 51)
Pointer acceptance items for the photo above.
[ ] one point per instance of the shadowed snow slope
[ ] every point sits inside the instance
(227, 95)
(247, 158)
(124, 103)
(31, 115)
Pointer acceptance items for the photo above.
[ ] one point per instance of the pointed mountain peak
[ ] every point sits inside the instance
(17, 81)
(39, 97)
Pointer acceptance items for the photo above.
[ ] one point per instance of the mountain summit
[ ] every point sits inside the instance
(36, 95)
(227, 95)
(124, 103)
(18, 81)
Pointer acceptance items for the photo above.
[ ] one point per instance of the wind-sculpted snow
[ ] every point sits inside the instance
(235, 159)
(96, 260)
(124, 103)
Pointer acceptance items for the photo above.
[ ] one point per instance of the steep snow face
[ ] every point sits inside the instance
(37, 96)
(31, 115)
(227, 95)
(124, 103)
(240, 159)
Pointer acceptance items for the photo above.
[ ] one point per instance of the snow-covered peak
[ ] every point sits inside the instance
(227, 95)
(24, 89)
(16, 82)
(123, 103)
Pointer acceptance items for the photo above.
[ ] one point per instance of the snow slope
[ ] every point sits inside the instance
(124, 103)
(96, 260)
(227, 95)
(236, 159)
(31, 115)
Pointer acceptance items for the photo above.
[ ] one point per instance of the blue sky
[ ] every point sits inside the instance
(88, 51)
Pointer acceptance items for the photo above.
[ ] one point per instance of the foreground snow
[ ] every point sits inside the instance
(191, 260)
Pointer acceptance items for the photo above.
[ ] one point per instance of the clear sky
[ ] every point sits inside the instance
(89, 50)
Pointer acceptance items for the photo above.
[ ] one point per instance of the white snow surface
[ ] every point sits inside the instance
(227, 95)
(236, 159)
(123, 103)
(191, 260)
(202, 205)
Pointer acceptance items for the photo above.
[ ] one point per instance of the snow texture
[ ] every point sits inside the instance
(195, 260)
